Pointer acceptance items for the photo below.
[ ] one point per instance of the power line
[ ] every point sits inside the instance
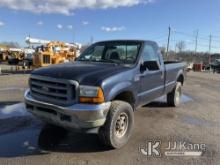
(188, 42)
(183, 33)
(216, 36)
(210, 39)
(199, 37)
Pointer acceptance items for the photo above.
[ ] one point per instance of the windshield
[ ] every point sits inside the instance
(112, 52)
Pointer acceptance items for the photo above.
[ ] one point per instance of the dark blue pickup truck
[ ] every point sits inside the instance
(100, 91)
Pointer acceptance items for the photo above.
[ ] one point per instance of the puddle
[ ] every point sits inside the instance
(29, 137)
(24, 135)
(21, 134)
(20, 143)
(196, 121)
(184, 99)
(19, 131)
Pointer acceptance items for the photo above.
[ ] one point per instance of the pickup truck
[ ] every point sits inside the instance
(99, 92)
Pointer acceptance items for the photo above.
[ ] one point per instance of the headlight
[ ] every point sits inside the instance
(91, 94)
(88, 91)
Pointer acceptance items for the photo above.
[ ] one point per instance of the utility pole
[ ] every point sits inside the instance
(168, 41)
(210, 47)
(196, 45)
(210, 43)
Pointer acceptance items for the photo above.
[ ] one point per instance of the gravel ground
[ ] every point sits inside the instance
(12, 88)
(23, 140)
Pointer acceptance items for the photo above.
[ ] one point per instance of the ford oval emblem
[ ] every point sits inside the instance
(60, 74)
(46, 89)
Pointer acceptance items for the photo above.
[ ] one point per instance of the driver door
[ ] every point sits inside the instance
(152, 81)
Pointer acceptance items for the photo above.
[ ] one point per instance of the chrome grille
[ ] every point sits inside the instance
(55, 91)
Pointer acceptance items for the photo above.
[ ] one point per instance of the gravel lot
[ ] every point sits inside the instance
(197, 120)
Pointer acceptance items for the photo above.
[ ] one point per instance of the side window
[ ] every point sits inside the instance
(127, 53)
(149, 53)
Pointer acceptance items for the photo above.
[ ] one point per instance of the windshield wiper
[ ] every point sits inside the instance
(111, 61)
(87, 60)
(102, 60)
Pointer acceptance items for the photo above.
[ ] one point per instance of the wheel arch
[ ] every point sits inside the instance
(126, 96)
(180, 78)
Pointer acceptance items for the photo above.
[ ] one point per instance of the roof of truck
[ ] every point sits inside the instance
(128, 40)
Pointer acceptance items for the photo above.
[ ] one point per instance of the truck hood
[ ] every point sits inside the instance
(83, 72)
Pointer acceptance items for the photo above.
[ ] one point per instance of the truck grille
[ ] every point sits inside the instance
(55, 91)
(46, 59)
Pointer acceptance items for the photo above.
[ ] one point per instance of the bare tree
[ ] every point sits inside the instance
(11, 44)
(181, 45)
(163, 50)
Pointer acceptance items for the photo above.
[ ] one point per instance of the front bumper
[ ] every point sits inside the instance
(77, 116)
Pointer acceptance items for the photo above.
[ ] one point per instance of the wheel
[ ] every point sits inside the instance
(174, 97)
(9, 62)
(118, 126)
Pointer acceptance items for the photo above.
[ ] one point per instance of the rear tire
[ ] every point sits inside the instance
(118, 126)
(174, 97)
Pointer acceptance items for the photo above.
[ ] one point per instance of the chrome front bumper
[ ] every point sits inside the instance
(77, 116)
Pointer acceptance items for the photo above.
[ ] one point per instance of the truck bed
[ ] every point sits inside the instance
(172, 69)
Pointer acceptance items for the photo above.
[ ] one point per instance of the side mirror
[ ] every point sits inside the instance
(150, 65)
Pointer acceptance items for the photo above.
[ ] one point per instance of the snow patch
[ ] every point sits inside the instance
(12, 88)
(13, 111)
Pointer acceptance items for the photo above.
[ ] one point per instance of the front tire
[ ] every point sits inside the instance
(174, 97)
(118, 127)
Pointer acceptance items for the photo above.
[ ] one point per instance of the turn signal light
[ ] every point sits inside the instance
(94, 100)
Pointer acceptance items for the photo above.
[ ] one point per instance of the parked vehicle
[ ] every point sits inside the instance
(28, 58)
(53, 53)
(3, 53)
(216, 66)
(100, 91)
(190, 66)
(15, 55)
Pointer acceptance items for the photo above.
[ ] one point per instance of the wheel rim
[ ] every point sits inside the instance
(121, 125)
(178, 95)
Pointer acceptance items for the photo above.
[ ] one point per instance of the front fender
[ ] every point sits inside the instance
(119, 88)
